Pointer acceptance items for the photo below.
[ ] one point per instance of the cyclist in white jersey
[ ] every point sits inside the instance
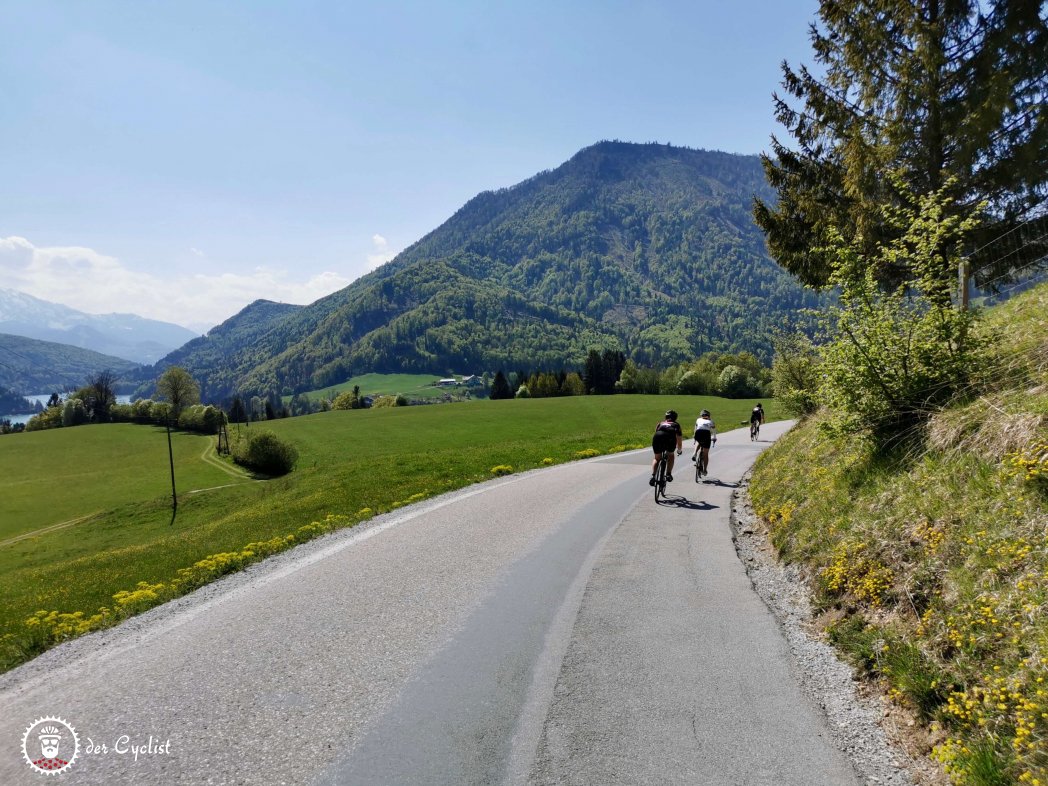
(705, 435)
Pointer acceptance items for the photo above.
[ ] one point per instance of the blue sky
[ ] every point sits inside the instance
(180, 159)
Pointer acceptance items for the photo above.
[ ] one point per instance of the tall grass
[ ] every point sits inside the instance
(930, 564)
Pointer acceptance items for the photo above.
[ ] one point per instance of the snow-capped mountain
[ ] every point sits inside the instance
(125, 336)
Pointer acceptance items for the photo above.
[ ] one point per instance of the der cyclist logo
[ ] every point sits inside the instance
(46, 744)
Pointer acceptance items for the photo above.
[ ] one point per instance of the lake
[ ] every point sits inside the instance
(24, 417)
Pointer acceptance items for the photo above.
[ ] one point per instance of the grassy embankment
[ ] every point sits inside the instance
(352, 465)
(930, 566)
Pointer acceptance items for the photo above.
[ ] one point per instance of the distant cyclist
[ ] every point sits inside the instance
(756, 420)
(705, 435)
(668, 436)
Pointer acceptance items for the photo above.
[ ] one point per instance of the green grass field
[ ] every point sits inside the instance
(349, 461)
(414, 386)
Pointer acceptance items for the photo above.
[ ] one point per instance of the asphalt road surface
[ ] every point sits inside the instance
(553, 627)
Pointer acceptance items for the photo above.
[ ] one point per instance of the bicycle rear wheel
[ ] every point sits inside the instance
(698, 467)
(660, 478)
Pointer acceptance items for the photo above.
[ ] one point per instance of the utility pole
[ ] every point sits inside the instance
(171, 458)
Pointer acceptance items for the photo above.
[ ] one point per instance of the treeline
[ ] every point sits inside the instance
(739, 375)
(605, 372)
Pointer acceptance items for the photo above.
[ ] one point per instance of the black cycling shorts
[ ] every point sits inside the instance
(704, 437)
(663, 440)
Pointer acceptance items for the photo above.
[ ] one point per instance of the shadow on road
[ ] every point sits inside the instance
(716, 482)
(687, 504)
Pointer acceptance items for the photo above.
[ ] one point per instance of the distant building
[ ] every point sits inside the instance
(472, 381)
(447, 383)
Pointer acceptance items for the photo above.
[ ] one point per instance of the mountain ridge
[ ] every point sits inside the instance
(650, 249)
(123, 335)
(33, 366)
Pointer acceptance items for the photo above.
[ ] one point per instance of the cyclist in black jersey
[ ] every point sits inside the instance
(668, 436)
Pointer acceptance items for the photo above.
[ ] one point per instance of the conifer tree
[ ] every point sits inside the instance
(917, 94)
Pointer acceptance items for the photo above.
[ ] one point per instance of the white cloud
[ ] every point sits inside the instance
(197, 252)
(87, 280)
(381, 253)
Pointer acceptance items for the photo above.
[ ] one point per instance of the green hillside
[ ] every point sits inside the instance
(37, 367)
(646, 248)
(929, 564)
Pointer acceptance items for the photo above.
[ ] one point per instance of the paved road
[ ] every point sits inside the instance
(554, 627)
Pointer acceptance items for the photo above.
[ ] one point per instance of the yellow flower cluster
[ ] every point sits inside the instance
(1013, 707)
(501, 469)
(931, 535)
(51, 627)
(547, 461)
(854, 572)
(142, 596)
(778, 517)
(587, 453)
(56, 626)
(1030, 464)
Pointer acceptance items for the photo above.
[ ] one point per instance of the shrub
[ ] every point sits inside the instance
(142, 410)
(197, 417)
(265, 452)
(795, 373)
(895, 357)
(390, 401)
(121, 413)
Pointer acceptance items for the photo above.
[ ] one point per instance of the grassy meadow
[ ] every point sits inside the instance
(413, 386)
(929, 564)
(352, 465)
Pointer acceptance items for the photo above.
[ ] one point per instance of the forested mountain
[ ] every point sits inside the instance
(650, 249)
(37, 367)
(126, 336)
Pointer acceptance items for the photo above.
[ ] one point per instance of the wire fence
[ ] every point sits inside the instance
(1011, 263)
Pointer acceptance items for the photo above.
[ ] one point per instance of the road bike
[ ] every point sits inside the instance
(660, 475)
(755, 429)
(702, 464)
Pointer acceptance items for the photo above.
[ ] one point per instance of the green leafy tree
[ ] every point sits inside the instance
(573, 385)
(896, 356)
(179, 389)
(795, 373)
(941, 95)
(74, 413)
(734, 382)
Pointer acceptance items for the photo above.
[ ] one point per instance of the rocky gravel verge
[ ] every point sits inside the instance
(856, 722)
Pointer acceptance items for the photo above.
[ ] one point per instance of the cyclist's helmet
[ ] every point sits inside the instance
(671, 414)
(704, 414)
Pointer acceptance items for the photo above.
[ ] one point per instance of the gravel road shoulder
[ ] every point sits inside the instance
(855, 721)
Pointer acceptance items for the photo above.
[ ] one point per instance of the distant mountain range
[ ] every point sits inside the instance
(650, 249)
(29, 366)
(126, 336)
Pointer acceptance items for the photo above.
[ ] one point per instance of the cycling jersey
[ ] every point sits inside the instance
(705, 431)
(757, 415)
(665, 437)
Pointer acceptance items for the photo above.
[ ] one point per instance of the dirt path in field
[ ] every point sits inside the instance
(208, 457)
(48, 528)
